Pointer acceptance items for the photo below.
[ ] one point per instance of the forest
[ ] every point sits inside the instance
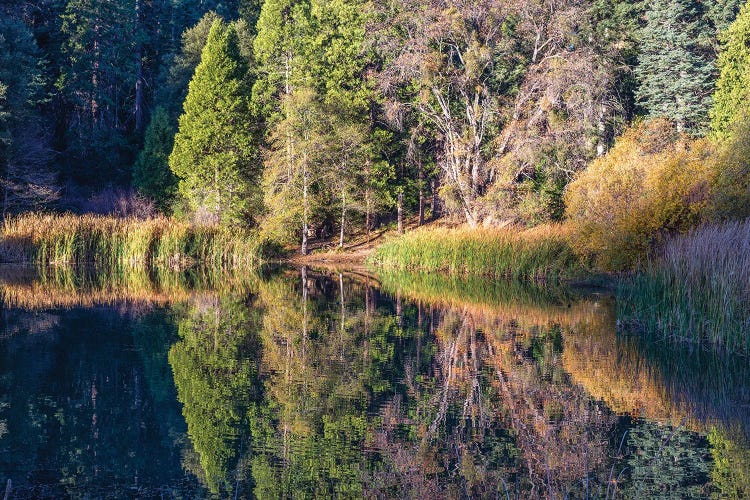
(535, 138)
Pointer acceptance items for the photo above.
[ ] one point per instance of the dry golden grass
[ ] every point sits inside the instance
(530, 254)
(66, 239)
(697, 290)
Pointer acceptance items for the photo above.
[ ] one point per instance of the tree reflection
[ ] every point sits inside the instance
(321, 384)
(215, 372)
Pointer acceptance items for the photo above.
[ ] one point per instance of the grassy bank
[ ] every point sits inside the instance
(114, 242)
(536, 254)
(696, 290)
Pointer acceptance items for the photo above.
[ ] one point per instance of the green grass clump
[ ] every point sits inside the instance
(537, 254)
(697, 290)
(113, 242)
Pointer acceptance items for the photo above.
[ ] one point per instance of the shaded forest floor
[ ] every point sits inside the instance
(357, 246)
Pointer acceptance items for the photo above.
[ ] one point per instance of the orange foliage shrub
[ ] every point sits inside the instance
(653, 182)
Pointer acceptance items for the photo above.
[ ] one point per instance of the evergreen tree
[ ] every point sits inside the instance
(98, 78)
(214, 154)
(722, 13)
(675, 66)
(25, 152)
(319, 140)
(151, 174)
(733, 86)
(283, 31)
(292, 169)
(179, 69)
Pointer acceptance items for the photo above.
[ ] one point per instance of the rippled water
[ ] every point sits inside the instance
(320, 384)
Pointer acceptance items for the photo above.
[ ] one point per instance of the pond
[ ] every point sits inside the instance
(311, 383)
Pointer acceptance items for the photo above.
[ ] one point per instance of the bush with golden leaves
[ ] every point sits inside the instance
(652, 183)
(730, 199)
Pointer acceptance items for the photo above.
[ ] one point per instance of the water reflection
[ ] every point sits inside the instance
(320, 384)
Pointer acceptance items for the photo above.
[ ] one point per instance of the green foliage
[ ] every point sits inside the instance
(151, 174)
(730, 196)
(173, 84)
(215, 375)
(675, 64)
(282, 30)
(214, 152)
(733, 86)
(292, 167)
(100, 63)
(323, 161)
(27, 182)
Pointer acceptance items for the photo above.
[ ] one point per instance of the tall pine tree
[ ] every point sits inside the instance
(151, 175)
(675, 67)
(25, 151)
(214, 155)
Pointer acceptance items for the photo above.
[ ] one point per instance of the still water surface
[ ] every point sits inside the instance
(320, 384)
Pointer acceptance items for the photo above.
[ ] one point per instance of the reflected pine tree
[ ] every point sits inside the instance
(215, 371)
(311, 426)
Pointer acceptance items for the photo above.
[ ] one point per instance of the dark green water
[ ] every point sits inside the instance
(318, 385)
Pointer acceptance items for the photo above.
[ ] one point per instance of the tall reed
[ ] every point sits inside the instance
(531, 254)
(114, 242)
(696, 290)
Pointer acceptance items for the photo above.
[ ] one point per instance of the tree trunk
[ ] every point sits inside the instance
(6, 194)
(217, 191)
(289, 138)
(95, 80)
(434, 205)
(305, 206)
(343, 219)
(421, 194)
(400, 209)
(368, 215)
(139, 73)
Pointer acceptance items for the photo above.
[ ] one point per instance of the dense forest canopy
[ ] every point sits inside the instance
(307, 118)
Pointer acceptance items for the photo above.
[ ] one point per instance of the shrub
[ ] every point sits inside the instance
(731, 183)
(653, 182)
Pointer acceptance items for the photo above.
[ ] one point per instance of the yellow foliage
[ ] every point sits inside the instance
(652, 183)
(731, 184)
